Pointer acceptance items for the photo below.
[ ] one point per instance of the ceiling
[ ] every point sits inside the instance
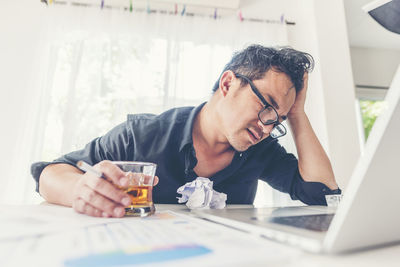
(364, 31)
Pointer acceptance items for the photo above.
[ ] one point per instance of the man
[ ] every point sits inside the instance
(231, 139)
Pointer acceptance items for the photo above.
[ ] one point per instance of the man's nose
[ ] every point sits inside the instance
(266, 129)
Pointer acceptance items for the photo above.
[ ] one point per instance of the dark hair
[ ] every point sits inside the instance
(255, 60)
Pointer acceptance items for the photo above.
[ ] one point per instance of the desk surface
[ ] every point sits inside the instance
(385, 256)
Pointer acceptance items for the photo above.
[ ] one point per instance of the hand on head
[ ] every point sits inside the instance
(298, 106)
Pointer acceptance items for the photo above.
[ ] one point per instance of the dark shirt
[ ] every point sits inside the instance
(166, 140)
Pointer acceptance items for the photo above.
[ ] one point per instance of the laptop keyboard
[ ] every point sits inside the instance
(318, 222)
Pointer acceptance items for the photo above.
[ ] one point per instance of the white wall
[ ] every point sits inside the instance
(321, 30)
(374, 66)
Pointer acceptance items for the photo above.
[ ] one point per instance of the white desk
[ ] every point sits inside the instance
(387, 256)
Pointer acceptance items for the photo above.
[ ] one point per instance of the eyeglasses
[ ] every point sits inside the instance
(268, 115)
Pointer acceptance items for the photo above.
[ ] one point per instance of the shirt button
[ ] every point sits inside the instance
(240, 155)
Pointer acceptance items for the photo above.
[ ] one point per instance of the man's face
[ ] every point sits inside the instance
(240, 114)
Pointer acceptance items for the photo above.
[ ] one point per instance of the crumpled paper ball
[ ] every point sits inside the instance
(199, 194)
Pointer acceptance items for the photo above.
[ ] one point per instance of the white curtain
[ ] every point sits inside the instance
(100, 65)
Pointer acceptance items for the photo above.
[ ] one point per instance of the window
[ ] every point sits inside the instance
(98, 81)
(370, 110)
(371, 103)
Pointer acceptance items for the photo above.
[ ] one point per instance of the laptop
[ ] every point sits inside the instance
(368, 214)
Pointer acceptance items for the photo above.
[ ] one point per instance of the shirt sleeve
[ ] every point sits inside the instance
(283, 174)
(116, 145)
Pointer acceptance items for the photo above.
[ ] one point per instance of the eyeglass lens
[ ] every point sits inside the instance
(278, 131)
(268, 115)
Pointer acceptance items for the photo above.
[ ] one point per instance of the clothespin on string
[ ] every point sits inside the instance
(148, 7)
(282, 18)
(240, 15)
(176, 8)
(183, 10)
(102, 4)
(50, 1)
(130, 6)
(215, 13)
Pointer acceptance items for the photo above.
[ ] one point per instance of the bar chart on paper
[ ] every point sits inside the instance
(164, 239)
(136, 244)
(147, 256)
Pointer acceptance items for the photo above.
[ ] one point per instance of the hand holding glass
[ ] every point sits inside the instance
(140, 186)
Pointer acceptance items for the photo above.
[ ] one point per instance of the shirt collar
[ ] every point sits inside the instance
(187, 129)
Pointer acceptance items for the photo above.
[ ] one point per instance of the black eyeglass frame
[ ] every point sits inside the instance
(266, 105)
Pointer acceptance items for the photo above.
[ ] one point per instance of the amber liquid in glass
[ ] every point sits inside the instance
(141, 198)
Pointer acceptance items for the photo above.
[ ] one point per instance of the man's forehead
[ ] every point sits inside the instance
(275, 86)
(279, 76)
(289, 90)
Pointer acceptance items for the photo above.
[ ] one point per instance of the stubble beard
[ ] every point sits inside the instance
(238, 142)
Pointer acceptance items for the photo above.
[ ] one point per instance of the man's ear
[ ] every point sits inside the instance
(225, 81)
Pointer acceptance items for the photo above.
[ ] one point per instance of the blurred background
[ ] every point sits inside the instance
(70, 70)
